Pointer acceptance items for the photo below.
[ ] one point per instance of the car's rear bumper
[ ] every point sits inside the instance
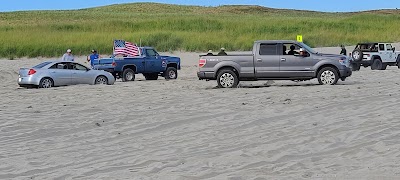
(28, 81)
(205, 75)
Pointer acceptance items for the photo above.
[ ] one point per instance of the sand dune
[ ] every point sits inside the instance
(188, 129)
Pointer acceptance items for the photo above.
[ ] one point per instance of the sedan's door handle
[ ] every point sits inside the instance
(283, 59)
(53, 72)
(259, 60)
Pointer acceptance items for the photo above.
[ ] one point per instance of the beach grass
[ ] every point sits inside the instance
(185, 28)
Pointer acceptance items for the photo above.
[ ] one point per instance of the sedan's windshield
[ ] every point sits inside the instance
(43, 64)
(309, 49)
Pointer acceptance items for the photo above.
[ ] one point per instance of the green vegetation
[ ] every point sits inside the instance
(187, 28)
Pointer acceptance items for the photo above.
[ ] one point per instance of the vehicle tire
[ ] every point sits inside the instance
(101, 80)
(355, 66)
(46, 83)
(226, 78)
(151, 76)
(398, 62)
(376, 64)
(328, 76)
(384, 66)
(171, 73)
(128, 75)
(357, 55)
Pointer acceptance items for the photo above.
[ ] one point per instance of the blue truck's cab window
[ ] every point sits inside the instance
(151, 52)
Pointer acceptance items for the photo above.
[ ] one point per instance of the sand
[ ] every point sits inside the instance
(188, 129)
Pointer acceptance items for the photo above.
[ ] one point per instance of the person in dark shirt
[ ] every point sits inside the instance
(343, 51)
(292, 51)
(222, 52)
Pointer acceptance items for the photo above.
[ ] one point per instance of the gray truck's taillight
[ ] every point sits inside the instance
(202, 62)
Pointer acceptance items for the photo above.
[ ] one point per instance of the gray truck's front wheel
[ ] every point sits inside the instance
(227, 79)
(328, 76)
(128, 75)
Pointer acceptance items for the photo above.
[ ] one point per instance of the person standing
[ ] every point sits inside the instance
(94, 56)
(343, 51)
(68, 56)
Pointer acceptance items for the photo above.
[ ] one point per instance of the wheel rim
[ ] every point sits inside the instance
(356, 55)
(328, 77)
(46, 83)
(129, 76)
(171, 74)
(227, 80)
(101, 80)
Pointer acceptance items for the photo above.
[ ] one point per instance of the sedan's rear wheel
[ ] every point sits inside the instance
(101, 80)
(46, 83)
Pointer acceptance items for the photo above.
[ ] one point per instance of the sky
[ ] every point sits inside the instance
(315, 5)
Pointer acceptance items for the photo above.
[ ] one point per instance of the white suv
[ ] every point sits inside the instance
(376, 55)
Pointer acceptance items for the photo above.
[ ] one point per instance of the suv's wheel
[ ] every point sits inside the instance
(328, 76)
(128, 75)
(355, 66)
(376, 64)
(227, 79)
(171, 73)
(151, 76)
(357, 55)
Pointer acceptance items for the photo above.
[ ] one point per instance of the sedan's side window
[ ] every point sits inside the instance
(59, 66)
(78, 67)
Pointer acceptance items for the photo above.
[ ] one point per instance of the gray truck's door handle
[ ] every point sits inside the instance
(283, 59)
(259, 60)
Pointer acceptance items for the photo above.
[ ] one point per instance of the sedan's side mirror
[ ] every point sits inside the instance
(394, 49)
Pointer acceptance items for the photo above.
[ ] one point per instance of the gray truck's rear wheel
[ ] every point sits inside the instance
(128, 75)
(171, 73)
(328, 76)
(376, 65)
(227, 79)
(151, 76)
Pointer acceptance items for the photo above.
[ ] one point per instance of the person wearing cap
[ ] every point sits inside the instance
(302, 52)
(94, 56)
(210, 53)
(222, 52)
(68, 56)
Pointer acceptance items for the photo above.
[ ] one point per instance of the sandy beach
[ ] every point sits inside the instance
(187, 129)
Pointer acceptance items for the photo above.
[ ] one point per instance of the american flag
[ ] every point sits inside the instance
(125, 48)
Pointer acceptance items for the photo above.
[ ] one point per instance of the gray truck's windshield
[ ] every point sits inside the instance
(309, 49)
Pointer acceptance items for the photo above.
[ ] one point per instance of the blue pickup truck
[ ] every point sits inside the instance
(149, 63)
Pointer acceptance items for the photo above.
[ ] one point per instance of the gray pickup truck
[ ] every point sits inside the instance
(274, 60)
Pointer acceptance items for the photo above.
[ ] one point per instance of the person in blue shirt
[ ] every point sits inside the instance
(93, 57)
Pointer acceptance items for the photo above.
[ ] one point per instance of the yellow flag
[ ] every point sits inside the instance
(299, 38)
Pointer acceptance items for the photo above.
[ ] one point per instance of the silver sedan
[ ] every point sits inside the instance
(61, 73)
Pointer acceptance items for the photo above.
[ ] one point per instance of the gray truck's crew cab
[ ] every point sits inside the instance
(272, 60)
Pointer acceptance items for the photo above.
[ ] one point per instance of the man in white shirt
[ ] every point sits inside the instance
(68, 56)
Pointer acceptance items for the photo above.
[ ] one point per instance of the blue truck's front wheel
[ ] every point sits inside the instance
(171, 73)
(128, 75)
